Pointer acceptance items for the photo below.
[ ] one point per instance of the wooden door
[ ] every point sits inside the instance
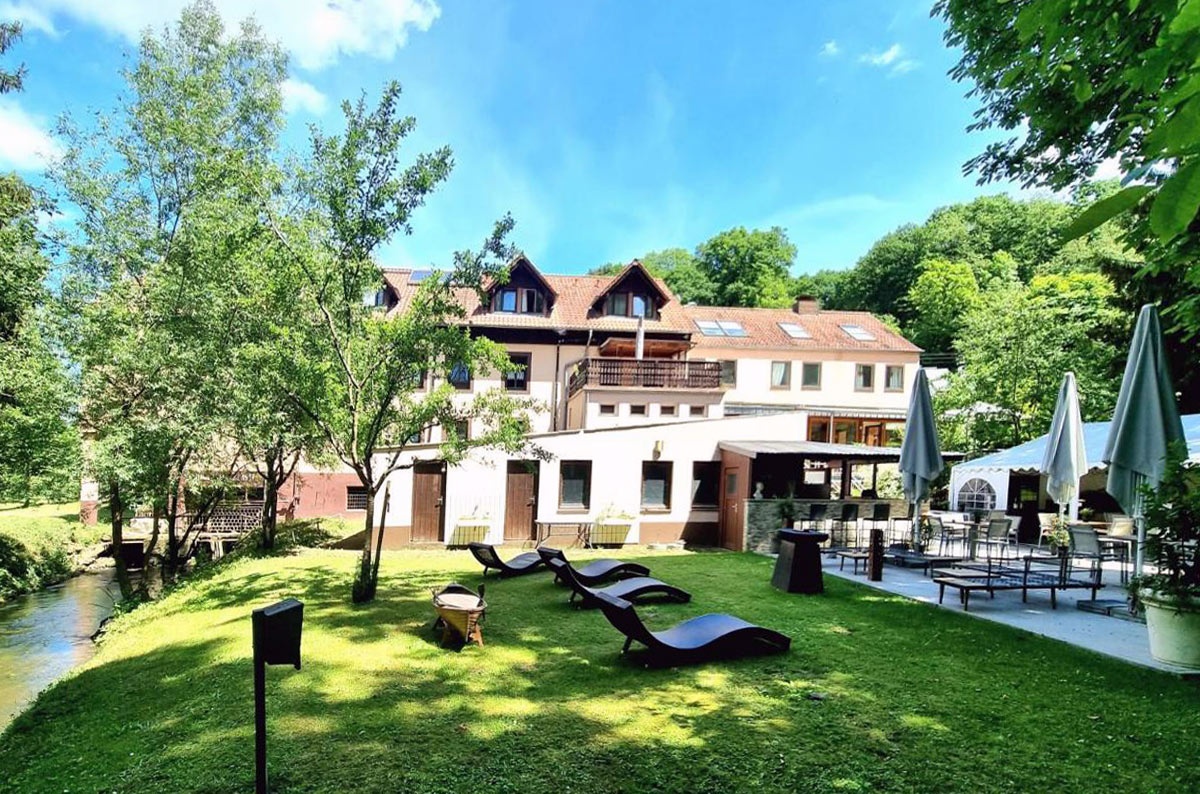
(429, 501)
(731, 509)
(520, 500)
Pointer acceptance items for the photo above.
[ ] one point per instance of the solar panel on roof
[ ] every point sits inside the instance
(417, 276)
(795, 330)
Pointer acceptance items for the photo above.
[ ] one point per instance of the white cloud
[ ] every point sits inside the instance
(24, 143)
(885, 58)
(891, 59)
(299, 95)
(1109, 169)
(315, 32)
(830, 48)
(32, 18)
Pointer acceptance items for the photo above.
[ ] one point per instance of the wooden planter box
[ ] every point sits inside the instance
(469, 532)
(611, 532)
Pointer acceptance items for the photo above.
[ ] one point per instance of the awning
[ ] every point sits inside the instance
(1028, 456)
(817, 450)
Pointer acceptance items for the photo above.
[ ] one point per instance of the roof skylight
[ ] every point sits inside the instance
(859, 333)
(720, 328)
(795, 330)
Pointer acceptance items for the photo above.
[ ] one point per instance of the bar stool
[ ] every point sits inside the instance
(849, 516)
(881, 513)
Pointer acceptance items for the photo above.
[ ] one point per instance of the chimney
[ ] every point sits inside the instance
(806, 304)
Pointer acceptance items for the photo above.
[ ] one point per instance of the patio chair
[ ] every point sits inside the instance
(596, 571)
(700, 639)
(996, 536)
(898, 535)
(632, 589)
(517, 566)
(1085, 543)
(1045, 527)
(945, 535)
(838, 532)
(1121, 540)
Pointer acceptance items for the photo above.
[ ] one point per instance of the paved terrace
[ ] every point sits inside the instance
(1113, 636)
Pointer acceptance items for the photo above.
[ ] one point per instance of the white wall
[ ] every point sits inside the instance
(837, 377)
(478, 485)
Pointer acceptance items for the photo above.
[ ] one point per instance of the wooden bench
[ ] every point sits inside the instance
(965, 586)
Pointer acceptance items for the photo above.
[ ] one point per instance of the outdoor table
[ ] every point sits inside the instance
(798, 567)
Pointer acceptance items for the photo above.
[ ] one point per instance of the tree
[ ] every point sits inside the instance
(168, 190)
(748, 268)
(1078, 83)
(1015, 344)
(943, 293)
(10, 81)
(354, 370)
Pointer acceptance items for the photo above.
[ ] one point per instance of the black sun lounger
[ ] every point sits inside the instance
(517, 566)
(596, 571)
(631, 589)
(700, 639)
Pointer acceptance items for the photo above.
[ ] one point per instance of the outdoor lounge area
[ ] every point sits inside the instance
(878, 692)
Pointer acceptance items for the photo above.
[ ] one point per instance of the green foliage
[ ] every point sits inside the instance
(160, 261)
(37, 545)
(1015, 344)
(940, 298)
(380, 704)
(1079, 82)
(1172, 514)
(748, 268)
(10, 81)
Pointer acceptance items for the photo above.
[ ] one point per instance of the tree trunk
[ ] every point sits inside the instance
(270, 511)
(364, 584)
(117, 518)
(379, 540)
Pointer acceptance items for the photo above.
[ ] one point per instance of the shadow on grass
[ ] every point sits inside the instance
(874, 695)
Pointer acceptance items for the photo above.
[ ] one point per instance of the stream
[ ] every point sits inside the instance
(45, 634)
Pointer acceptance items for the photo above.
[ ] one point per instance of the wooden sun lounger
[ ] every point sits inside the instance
(596, 571)
(631, 589)
(517, 566)
(701, 639)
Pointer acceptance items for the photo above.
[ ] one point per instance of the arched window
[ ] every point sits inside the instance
(976, 494)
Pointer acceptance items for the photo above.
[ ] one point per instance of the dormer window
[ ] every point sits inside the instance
(630, 304)
(519, 301)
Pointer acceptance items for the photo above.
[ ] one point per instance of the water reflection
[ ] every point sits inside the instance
(45, 634)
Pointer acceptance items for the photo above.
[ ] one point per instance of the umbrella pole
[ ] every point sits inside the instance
(1139, 521)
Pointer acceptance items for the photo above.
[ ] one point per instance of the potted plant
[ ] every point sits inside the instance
(612, 527)
(1060, 538)
(788, 510)
(1171, 595)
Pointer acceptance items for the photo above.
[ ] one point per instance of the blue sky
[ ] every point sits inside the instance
(608, 129)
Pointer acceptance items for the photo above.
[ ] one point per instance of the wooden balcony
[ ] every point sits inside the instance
(645, 373)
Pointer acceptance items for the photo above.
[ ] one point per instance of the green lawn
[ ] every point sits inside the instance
(37, 544)
(908, 698)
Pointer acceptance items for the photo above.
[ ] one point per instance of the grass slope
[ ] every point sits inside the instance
(915, 699)
(37, 545)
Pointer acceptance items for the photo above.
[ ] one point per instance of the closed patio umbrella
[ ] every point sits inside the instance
(920, 454)
(1144, 424)
(1066, 458)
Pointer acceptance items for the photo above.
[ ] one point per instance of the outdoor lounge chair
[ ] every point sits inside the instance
(631, 589)
(596, 571)
(517, 566)
(699, 639)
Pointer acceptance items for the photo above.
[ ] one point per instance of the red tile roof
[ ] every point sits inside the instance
(824, 326)
(572, 310)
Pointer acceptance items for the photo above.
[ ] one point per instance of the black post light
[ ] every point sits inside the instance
(276, 641)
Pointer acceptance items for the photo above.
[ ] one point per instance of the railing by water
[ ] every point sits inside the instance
(646, 373)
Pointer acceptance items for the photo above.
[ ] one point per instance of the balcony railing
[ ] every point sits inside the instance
(646, 373)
